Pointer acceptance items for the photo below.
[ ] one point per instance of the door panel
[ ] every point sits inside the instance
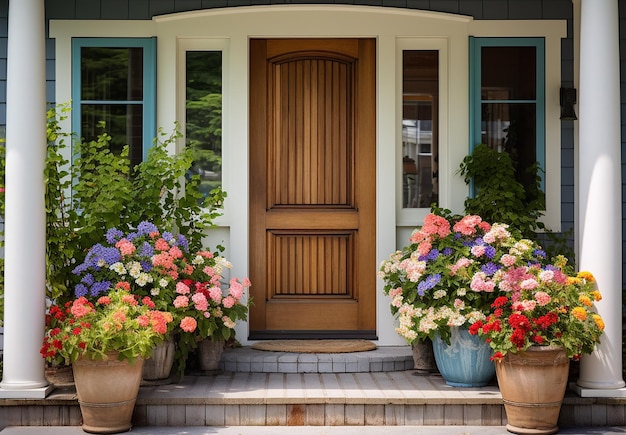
(312, 203)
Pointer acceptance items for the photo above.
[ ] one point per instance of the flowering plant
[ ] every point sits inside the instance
(204, 309)
(542, 305)
(158, 264)
(445, 276)
(117, 321)
(145, 262)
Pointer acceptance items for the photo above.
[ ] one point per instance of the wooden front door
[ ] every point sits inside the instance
(312, 188)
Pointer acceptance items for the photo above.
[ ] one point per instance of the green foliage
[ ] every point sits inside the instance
(498, 195)
(101, 190)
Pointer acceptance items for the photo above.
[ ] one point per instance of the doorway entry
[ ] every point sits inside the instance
(313, 188)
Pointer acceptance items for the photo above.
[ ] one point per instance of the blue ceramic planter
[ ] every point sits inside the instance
(465, 361)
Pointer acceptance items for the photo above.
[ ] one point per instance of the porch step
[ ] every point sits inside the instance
(382, 359)
(397, 398)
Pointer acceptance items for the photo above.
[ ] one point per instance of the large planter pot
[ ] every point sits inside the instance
(465, 362)
(159, 365)
(532, 385)
(107, 391)
(209, 354)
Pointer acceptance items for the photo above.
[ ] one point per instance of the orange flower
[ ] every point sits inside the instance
(587, 276)
(580, 313)
(599, 321)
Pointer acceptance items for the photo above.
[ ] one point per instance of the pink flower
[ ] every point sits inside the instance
(236, 289)
(81, 307)
(182, 288)
(200, 301)
(188, 324)
(175, 252)
(395, 292)
(161, 245)
(508, 260)
(529, 284)
(542, 298)
(424, 247)
(181, 302)
(229, 301)
(130, 300)
(125, 246)
(478, 250)
(467, 225)
(215, 294)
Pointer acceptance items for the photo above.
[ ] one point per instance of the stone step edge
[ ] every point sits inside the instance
(383, 359)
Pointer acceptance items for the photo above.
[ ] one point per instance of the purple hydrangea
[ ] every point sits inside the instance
(490, 251)
(80, 290)
(99, 287)
(145, 228)
(428, 283)
(99, 253)
(146, 250)
(113, 235)
(490, 268)
(182, 242)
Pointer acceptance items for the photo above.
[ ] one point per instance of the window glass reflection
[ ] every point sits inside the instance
(203, 128)
(420, 148)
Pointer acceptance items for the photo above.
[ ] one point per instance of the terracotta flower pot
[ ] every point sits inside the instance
(533, 384)
(107, 391)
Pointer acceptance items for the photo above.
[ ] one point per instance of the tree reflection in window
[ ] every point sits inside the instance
(203, 110)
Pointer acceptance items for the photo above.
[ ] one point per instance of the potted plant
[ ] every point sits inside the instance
(207, 313)
(106, 343)
(442, 282)
(540, 320)
(100, 190)
(150, 262)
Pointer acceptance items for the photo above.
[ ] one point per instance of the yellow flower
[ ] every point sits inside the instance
(587, 276)
(573, 280)
(599, 321)
(584, 299)
(580, 313)
(596, 295)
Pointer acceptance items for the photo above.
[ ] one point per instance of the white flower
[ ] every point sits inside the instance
(118, 268)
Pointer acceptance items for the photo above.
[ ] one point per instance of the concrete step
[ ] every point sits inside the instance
(382, 359)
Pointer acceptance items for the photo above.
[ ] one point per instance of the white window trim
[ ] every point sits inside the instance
(410, 216)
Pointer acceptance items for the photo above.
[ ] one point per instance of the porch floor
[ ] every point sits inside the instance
(245, 398)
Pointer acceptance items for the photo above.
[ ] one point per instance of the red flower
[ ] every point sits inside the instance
(518, 338)
(497, 356)
(519, 321)
(499, 301)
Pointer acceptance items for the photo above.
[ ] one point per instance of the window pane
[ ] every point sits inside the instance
(204, 115)
(111, 74)
(511, 127)
(420, 96)
(123, 123)
(508, 73)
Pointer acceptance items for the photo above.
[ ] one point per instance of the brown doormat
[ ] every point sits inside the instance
(315, 346)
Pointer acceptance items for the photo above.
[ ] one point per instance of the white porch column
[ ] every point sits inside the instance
(25, 231)
(600, 199)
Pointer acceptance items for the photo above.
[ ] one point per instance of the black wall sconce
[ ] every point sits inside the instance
(568, 99)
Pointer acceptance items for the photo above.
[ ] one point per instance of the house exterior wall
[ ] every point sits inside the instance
(478, 9)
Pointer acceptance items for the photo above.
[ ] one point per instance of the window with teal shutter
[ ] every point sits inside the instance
(114, 82)
(507, 97)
